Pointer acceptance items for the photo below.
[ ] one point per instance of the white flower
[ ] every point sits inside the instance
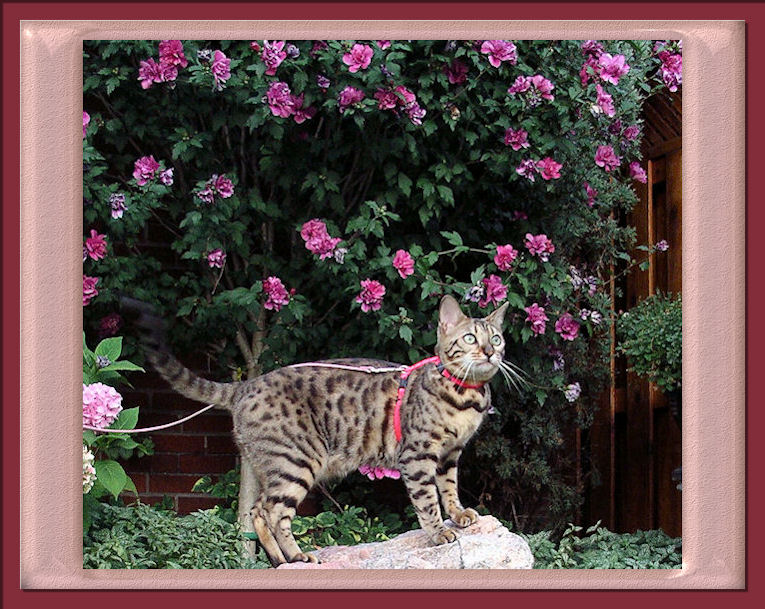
(572, 392)
(88, 471)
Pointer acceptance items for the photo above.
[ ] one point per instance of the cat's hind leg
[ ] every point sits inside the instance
(267, 540)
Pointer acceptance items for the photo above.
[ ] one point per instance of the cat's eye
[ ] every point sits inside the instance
(469, 339)
(496, 339)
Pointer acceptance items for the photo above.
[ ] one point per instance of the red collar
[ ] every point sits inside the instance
(404, 379)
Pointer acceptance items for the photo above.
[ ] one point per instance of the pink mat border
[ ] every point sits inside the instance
(713, 279)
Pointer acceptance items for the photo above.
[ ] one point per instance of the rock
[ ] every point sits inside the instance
(484, 545)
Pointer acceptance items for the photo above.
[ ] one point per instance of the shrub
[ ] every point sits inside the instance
(319, 197)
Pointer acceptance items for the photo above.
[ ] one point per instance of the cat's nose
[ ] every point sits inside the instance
(489, 351)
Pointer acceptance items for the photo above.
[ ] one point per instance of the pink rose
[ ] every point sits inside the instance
(539, 245)
(591, 194)
(317, 239)
(386, 99)
(517, 139)
(631, 132)
(499, 51)
(637, 172)
(612, 68)
(145, 170)
(371, 295)
(536, 315)
(359, 57)
(85, 123)
(89, 291)
(493, 291)
(567, 327)
(301, 114)
(101, 405)
(348, 97)
(117, 203)
(273, 55)
(521, 85)
(95, 245)
(549, 169)
(456, 72)
(505, 256)
(606, 158)
(220, 69)
(383, 44)
(171, 52)
(222, 185)
(544, 86)
(403, 263)
(148, 73)
(280, 99)
(216, 259)
(277, 295)
(672, 70)
(605, 101)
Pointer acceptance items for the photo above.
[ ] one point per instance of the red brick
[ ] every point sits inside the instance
(155, 498)
(221, 444)
(218, 464)
(209, 423)
(188, 504)
(140, 480)
(172, 483)
(170, 400)
(178, 443)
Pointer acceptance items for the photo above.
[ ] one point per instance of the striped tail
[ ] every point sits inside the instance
(151, 329)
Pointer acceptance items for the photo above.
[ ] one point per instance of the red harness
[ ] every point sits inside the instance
(404, 379)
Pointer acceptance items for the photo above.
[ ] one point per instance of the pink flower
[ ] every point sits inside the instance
(371, 295)
(206, 195)
(517, 139)
(520, 215)
(383, 44)
(612, 68)
(591, 194)
(521, 85)
(101, 405)
(89, 291)
(415, 113)
(317, 239)
(527, 169)
(171, 53)
(456, 72)
(145, 170)
(348, 97)
(216, 259)
(631, 132)
(301, 114)
(567, 327)
(359, 57)
(220, 69)
(606, 158)
(672, 70)
(386, 99)
(403, 263)
(222, 185)
(95, 245)
(408, 96)
(536, 315)
(499, 51)
(85, 123)
(273, 55)
(605, 101)
(637, 172)
(539, 245)
(662, 245)
(493, 290)
(149, 72)
(323, 82)
(277, 295)
(549, 169)
(592, 48)
(117, 203)
(544, 86)
(166, 177)
(376, 473)
(109, 325)
(535, 88)
(280, 99)
(505, 256)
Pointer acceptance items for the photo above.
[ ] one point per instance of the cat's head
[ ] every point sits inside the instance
(470, 349)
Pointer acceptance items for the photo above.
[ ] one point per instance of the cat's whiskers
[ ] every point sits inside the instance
(513, 374)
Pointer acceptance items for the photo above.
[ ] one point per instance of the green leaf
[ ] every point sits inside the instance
(111, 348)
(405, 184)
(123, 365)
(454, 238)
(127, 419)
(111, 475)
(405, 332)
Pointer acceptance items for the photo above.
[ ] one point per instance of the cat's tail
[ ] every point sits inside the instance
(151, 329)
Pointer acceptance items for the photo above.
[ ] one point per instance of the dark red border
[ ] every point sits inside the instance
(752, 12)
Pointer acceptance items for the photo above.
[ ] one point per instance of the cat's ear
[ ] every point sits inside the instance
(497, 318)
(449, 313)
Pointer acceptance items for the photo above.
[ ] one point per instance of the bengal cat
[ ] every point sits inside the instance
(300, 425)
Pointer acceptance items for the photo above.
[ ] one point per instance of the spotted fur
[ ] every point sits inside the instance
(296, 427)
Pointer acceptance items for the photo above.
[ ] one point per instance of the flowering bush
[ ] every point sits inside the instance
(354, 183)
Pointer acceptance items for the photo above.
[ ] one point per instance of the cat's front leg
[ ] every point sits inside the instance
(446, 480)
(419, 474)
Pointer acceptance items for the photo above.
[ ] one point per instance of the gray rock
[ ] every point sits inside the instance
(485, 545)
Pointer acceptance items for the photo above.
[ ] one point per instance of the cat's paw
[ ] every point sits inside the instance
(303, 557)
(444, 536)
(465, 518)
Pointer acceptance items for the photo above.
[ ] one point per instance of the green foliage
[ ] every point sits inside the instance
(350, 526)
(227, 488)
(599, 548)
(447, 191)
(651, 336)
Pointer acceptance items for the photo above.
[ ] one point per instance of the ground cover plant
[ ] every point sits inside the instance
(318, 198)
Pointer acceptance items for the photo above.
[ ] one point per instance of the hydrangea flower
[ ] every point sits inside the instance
(317, 239)
(145, 170)
(549, 169)
(216, 259)
(85, 123)
(539, 245)
(456, 72)
(88, 470)
(505, 256)
(277, 295)
(606, 158)
(348, 97)
(359, 57)
(171, 53)
(280, 99)
(371, 295)
(403, 263)
(117, 203)
(605, 102)
(637, 172)
(109, 325)
(499, 51)
(101, 405)
(572, 392)
(612, 67)
(493, 290)
(567, 327)
(517, 138)
(537, 317)
(220, 69)
(89, 291)
(273, 55)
